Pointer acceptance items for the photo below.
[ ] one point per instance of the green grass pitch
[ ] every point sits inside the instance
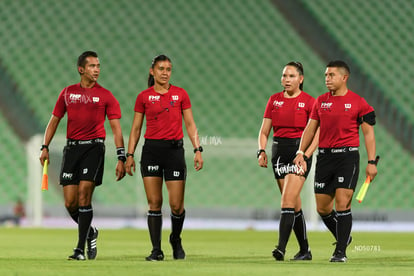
(26, 251)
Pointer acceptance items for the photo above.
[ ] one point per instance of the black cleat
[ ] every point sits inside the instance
(92, 250)
(338, 257)
(307, 256)
(156, 255)
(77, 255)
(178, 251)
(278, 254)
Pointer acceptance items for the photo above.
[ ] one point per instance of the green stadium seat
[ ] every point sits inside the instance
(378, 35)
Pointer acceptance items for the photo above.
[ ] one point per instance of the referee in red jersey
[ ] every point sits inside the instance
(164, 106)
(339, 113)
(86, 104)
(288, 112)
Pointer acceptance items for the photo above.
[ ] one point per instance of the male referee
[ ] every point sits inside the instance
(87, 104)
(339, 113)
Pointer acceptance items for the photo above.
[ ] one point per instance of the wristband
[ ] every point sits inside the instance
(44, 147)
(120, 152)
(129, 154)
(300, 152)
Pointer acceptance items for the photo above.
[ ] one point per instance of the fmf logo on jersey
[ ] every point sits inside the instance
(79, 98)
(302, 105)
(278, 104)
(174, 98)
(153, 98)
(326, 105)
(75, 97)
(95, 99)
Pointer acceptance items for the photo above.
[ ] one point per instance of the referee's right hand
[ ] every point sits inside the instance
(120, 170)
(301, 164)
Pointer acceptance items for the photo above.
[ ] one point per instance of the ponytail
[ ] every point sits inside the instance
(151, 81)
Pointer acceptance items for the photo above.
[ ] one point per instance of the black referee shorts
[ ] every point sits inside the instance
(283, 153)
(83, 160)
(163, 158)
(336, 168)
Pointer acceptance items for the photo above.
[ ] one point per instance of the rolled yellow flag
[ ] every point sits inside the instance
(364, 188)
(45, 180)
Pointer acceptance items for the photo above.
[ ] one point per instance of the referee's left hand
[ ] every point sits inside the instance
(44, 156)
(198, 161)
(120, 170)
(371, 171)
(262, 160)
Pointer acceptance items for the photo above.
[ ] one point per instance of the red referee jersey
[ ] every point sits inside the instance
(163, 112)
(338, 117)
(86, 108)
(289, 115)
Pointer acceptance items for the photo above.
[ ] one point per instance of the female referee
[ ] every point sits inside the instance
(288, 113)
(162, 157)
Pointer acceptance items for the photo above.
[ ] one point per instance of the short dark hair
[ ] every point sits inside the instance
(84, 55)
(298, 67)
(339, 64)
(161, 57)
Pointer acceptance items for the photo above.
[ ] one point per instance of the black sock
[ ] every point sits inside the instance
(177, 222)
(299, 227)
(85, 219)
(74, 215)
(331, 221)
(344, 229)
(154, 219)
(287, 219)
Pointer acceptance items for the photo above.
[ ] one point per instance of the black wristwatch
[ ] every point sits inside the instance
(260, 152)
(129, 154)
(372, 162)
(44, 147)
(200, 149)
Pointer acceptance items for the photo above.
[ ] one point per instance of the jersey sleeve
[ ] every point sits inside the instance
(310, 105)
(139, 104)
(60, 106)
(366, 113)
(113, 109)
(365, 108)
(185, 103)
(268, 110)
(315, 108)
